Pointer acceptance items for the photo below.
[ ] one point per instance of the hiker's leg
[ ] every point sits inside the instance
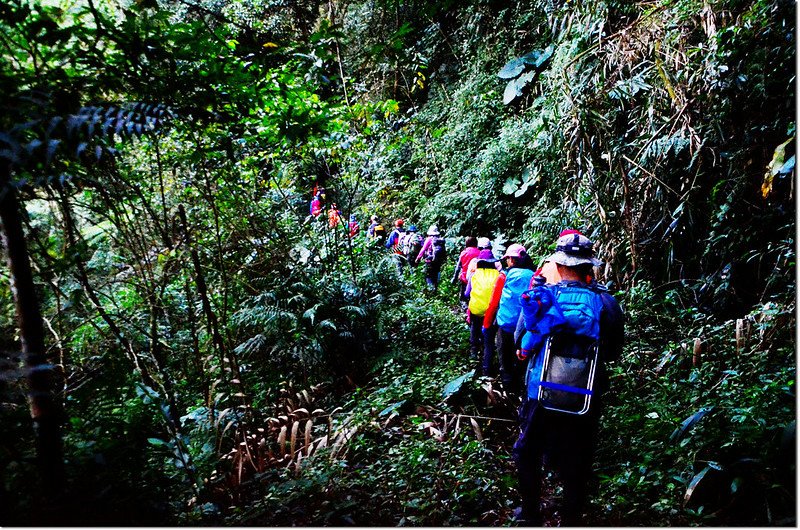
(437, 272)
(429, 275)
(463, 298)
(505, 349)
(488, 348)
(579, 440)
(489, 364)
(475, 334)
(513, 370)
(527, 453)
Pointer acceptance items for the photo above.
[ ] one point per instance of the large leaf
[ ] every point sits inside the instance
(391, 408)
(522, 190)
(688, 423)
(523, 80)
(511, 92)
(455, 385)
(512, 69)
(711, 469)
(544, 57)
(515, 86)
(774, 167)
(511, 185)
(537, 58)
(530, 175)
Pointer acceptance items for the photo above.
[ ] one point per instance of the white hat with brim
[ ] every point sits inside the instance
(562, 258)
(573, 250)
(433, 231)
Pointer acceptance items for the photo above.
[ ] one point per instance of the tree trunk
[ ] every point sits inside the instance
(41, 374)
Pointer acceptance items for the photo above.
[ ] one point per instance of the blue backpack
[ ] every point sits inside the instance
(561, 376)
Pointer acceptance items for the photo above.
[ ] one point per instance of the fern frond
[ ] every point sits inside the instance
(253, 345)
(45, 139)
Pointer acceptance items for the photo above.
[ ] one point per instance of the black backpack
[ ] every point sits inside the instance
(438, 252)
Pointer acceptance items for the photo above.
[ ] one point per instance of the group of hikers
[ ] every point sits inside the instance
(548, 332)
(552, 329)
(334, 213)
(407, 246)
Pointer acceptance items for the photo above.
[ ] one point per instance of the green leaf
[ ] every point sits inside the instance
(512, 69)
(531, 57)
(455, 385)
(391, 408)
(689, 422)
(537, 58)
(523, 80)
(511, 185)
(544, 56)
(511, 92)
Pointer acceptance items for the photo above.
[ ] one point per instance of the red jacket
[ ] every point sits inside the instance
(494, 301)
(464, 258)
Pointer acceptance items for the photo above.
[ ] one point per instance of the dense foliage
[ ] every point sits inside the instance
(208, 353)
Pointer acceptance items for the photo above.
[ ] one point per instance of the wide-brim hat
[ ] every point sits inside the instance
(433, 230)
(573, 250)
(572, 261)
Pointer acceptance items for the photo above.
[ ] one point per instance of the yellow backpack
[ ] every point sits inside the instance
(483, 281)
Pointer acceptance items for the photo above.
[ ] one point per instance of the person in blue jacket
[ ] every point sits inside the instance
(565, 441)
(504, 309)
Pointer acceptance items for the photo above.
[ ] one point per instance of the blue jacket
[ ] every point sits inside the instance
(517, 282)
(394, 237)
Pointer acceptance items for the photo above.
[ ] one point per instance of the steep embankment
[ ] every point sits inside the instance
(659, 130)
(651, 128)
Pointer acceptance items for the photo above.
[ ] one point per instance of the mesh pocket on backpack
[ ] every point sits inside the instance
(568, 374)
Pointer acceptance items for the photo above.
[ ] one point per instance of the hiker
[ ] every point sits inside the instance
(334, 216)
(316, 205)
(504, 308)
(393, 244)
(375, 231)
(394, 236)
(479, 290)
(575, 325)
(353, 226)
(434, 252)
(484, 243)
(411, 244)
(548, 269)
(470, 252)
